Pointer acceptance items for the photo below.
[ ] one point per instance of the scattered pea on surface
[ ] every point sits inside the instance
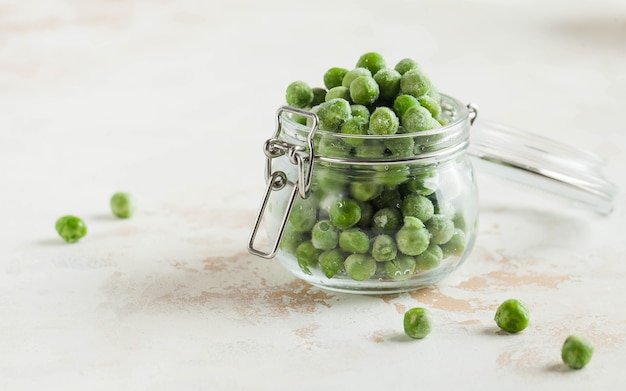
(512, 316)
(123, 204)
(417, 322)
(71, 228)
(576, 351)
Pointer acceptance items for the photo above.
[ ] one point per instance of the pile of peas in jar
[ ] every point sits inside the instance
(384, 221)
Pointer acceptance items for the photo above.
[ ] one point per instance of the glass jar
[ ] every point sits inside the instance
(388, 214)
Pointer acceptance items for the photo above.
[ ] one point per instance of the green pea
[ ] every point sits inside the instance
(303, 215)
(389, 198)
(417, 322)
(405, 65)
(333, 146)
(402, 103)
(384, 248)
(331, 262)
(355, 126)
(383, 121)
(512, 316)
(364, 191)
(333, 114)
(123, 205)
(417, 206)
(328, 180)
(401, 268)
(414, 82)
(344, 213)
(71, 228)
(441, 229)
(364, 90)
(577, 351)
(324, 235)
(334, 76)
(353, 74)
(360, 111)
(417, 119)
(413, 238)
(291, 239)
(386, 220)
(456, 244)
(370, 149)
(434, 93)
(354, 240)
(391, 175)
(400, 146)
(319, 96)
(299, 94)
(431, 105)
(360, 267)
(388, 81)
(367, 213)
(307, 255)
(423, 183)
(372, 61)
(339, 92)
(429, 259)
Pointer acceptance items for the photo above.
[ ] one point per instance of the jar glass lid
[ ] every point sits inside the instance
(543, 163)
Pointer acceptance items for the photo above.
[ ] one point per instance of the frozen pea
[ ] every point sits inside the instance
(434, 93)
(291, 239)
(417, 206)
(430, 104)
(367, 212)
(383, 121)
(370, 149)
(71, 228)
(576, 351)
(123, 205)
(364, 191)
(388, 81)
(360, 267)
(327, 179)
(417, 322)
(402, 103)
(512, 316)
(360, 111)
(344, 213)
(423, 184)
(333, 146)
(401, 268)
(391, 175)
(353, 74)
(413, 238)
(356, 126)
(405, 65)
(299, 94)
(417, 119)
(324, 235)
(441, 229)
(384, 248)
(303, 215)
(400, 146)
(339, 92)
(386, 220)
(459, 221)
(354, 240)
(456, 244)
(429, 259)
(389, 198)
(364, 90)
(372, 61)
(334, 76)
(414, 82)
(333, 114)
(319, 96)
(331, 262)
(307, 255)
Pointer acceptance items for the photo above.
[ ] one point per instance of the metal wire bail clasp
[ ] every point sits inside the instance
(277, 180)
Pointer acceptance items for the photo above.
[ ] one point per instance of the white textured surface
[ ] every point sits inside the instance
(173, 100)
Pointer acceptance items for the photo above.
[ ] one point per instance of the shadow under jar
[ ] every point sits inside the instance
(371, 214)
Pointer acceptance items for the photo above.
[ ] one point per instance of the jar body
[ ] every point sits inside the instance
(376, 219)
